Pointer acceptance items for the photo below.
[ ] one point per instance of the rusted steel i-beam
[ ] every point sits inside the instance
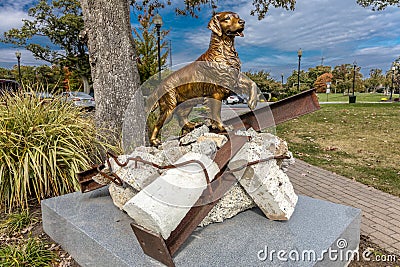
(85, 178)
(259, 119)
(277, 112)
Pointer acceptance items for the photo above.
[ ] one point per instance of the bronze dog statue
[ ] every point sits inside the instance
(214, 75)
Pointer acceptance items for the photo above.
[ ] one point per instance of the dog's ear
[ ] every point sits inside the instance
(215, 26)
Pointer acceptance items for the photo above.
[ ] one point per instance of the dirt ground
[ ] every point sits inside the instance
(376, 257)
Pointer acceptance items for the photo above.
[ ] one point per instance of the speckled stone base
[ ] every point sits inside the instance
(97, 233)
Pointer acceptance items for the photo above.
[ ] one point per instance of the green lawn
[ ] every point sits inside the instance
(359, 141)
(361, 97)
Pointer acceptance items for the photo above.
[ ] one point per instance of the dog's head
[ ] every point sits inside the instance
(227, 23)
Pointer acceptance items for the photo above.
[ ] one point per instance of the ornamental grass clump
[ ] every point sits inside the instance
(32, 252)
(17, 222)
(42, 146)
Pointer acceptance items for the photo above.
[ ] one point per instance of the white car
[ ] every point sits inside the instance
(233, 99)
(79, 99)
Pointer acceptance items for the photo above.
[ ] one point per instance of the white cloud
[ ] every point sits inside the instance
(340, 31)
(379, 51)
(8, 58)
(11, 19)
(317, 24)
(12, 13)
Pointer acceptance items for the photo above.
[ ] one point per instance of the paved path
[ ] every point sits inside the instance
(359, 102)
(380, 211)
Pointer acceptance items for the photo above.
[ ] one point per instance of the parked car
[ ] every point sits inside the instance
(79, 99)
(243, 98)
(43, 96)
(232, 99)
(8, 86)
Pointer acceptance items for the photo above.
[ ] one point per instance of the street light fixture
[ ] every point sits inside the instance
(392, 87)
(18, 55)
(157, 20)
(299, 54)
(352, 98)
(354, 75)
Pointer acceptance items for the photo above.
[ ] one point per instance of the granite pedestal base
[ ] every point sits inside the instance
(96, 233)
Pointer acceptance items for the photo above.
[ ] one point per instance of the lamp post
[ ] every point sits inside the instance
(354, 75)
(157, 20)
(18, 55)
(392, 87)
(299, 54)
(282, 79)
(352, 98)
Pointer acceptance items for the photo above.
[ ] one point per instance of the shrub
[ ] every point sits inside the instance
(16, 222)
(33, 252)
(42, 146)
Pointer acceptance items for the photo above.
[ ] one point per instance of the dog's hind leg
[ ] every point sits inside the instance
(165, 117)
(215, 108)
(182, 113)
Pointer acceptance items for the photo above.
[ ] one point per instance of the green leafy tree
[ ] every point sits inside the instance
(314, 73)
(392, 81)
(61, 22)
(7, 74)
(45, 78)
(375, 81)
(145, 38)
(266, 84)
(263, 79)
(341, 81)
(304, 82)
(378, 4)
(260, 7)
(343, 78)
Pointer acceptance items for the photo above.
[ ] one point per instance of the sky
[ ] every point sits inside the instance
(329, 32)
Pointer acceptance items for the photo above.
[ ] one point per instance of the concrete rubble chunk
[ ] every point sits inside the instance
(205, 147)
(219, 139)
(231, 204)
(170, 151)
(237, 199)
(194, 135)
(137, 178)
(121, 194)
(266, 183)
(162, 205)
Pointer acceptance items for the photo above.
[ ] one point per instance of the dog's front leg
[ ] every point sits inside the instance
(252, 102)
(215, 108)
(247, 85)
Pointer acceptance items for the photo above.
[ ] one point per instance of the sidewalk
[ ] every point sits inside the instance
(380, 211)
(359, 102)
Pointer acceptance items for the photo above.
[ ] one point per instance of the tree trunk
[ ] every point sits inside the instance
(86, 86)
(114, 71)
